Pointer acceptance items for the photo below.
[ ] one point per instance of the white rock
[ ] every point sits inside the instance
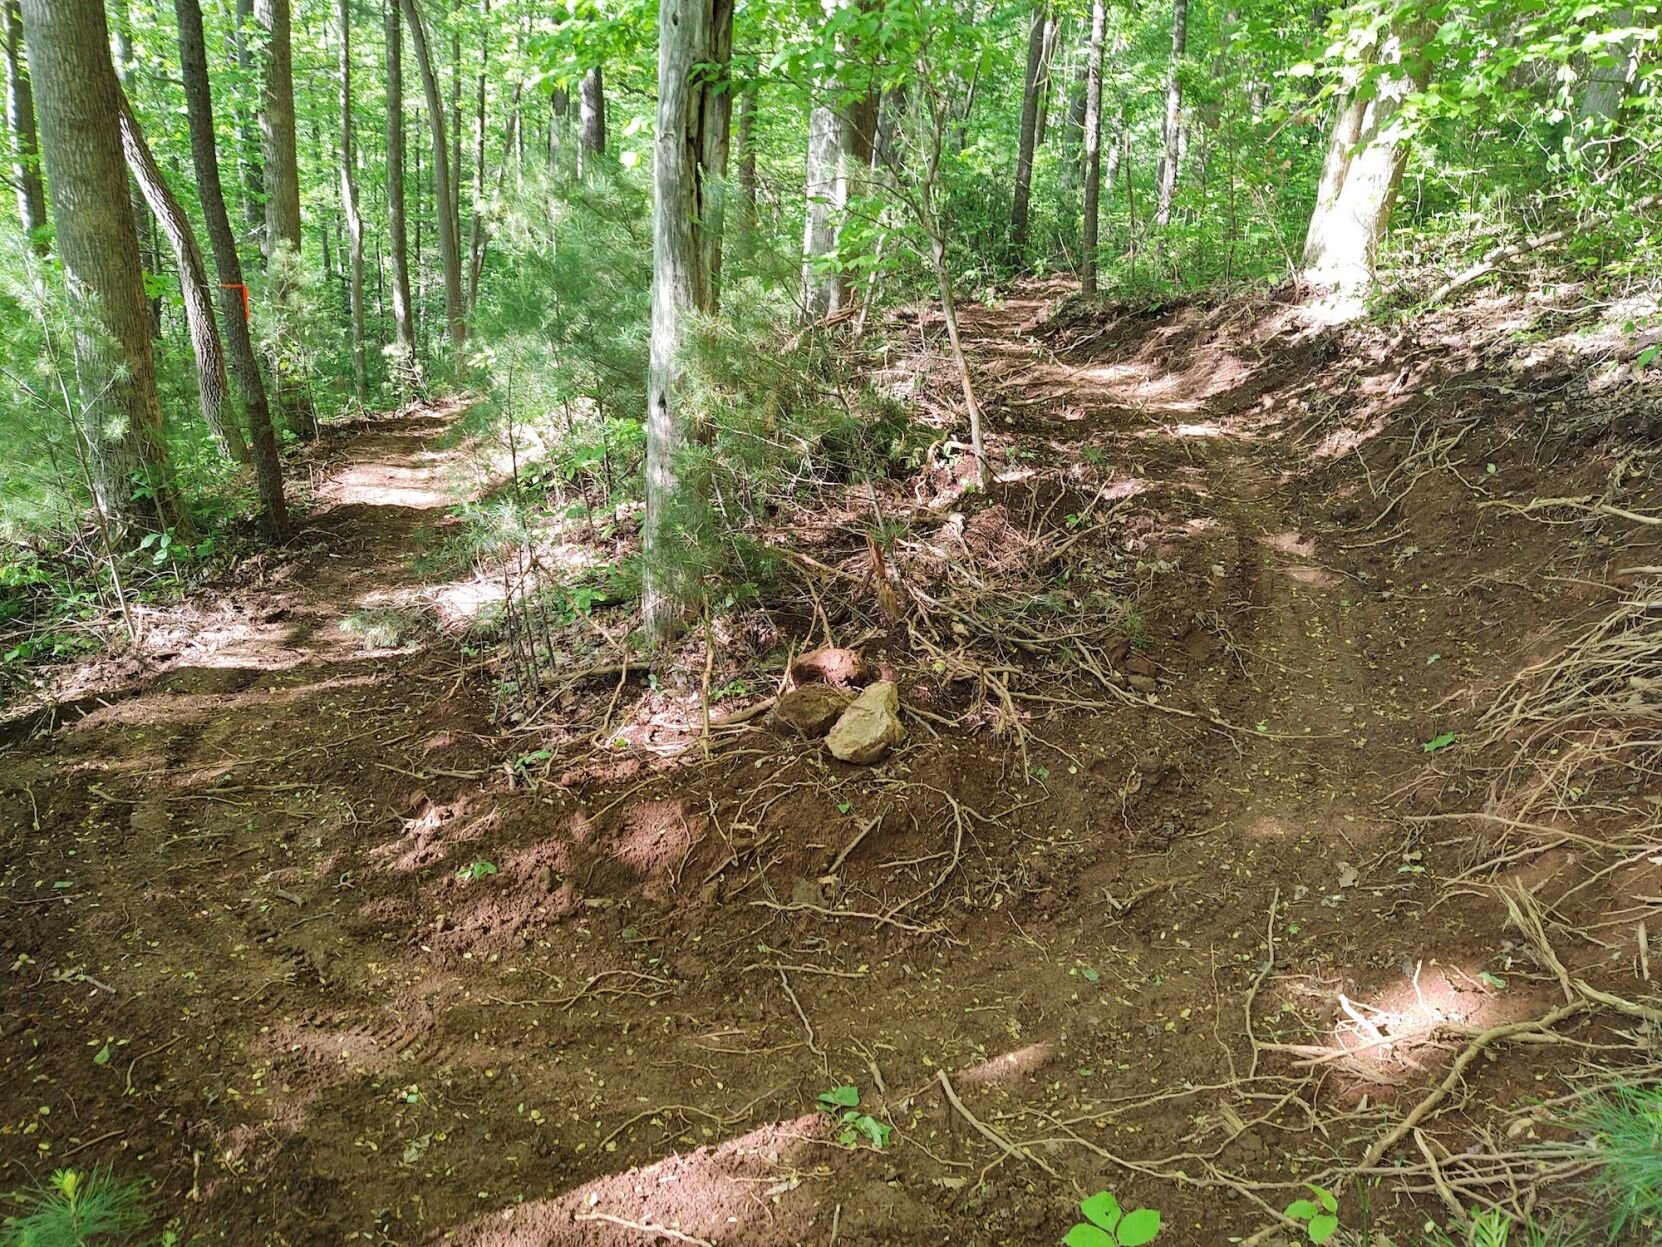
(870, 727)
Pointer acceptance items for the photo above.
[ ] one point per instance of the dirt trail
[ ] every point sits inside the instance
(245, 955)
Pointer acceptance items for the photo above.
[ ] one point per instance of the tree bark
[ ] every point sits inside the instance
(349, 205)
(450, 246)
(1171, 128)
(251, 171)
(747, 155)
(715, 135)
(278, 145)
(25, 135)
(1093, 148)
(68, 45)
(244, 364)
(1360, 178)
(1027, 138)
(476, 231)
(691, 34)
(398, 240)
(212, 387)
(591, 112)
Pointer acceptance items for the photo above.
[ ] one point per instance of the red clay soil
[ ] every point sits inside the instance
(1201, 946)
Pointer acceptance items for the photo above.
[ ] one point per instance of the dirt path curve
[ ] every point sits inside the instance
(174, 923)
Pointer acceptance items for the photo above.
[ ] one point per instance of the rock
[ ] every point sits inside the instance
(830, 665)
(810, 710)
(870, 727)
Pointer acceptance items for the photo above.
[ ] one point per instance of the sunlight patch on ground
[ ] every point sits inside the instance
(1008, 1067)
(734, 1191)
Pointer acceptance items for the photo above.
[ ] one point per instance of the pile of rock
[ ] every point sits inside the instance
(822, 703)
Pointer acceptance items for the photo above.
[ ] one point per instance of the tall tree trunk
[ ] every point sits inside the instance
(244, 364)
(251, 170)
(1608, 79)
(476, 232)
(278, 146)
(591, 111)
(1093, 148)
(198, 297)
(20, 122)
(404, 339)
(69, 57)
(1027, 138)
(279, 150)
(832, 145)
(121, 31)
(691, 34)
(715, 140)
(349, 204)
(450, 246)
(1361, 175)
(1171, 128)
(747, 155)
(1053, 33)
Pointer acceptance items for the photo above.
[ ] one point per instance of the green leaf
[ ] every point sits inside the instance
(1323, 1228)
(1102, 1209)
(1088, 1236)
(103, 1057)
(1647, 357)
(1492, 980)
(1324, 1197)
(1139, 1227)
(1436, 743)
(841, 1097)
(1302, 1209)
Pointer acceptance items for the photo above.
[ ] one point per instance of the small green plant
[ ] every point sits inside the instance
(1107, 1225)
(1319, 1216)
(78, 1208)
(1494, 1228)
(475, 871)
(1627, 1132)
(843, 1103)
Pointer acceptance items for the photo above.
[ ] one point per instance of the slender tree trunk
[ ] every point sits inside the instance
(1093, 148)
(747, 155)
(349, 205)
(1171, 129)
(1360, 178)
(450, 247)
(20, 122)
(121, 31)
(691, 34)
(476, 233)
(1041, 123)
(591, 112)
(248, 139)
(69, 58)
(404, 338)
(1027, 138)
(212, 387)
(280, 151)
(278, 144)
(244, 364)
(715, 135)
(832, 145)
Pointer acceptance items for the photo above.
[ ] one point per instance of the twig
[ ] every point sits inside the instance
(981, 1128)
(641, 1227)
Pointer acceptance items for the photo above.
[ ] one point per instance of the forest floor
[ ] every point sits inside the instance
(1264, 757)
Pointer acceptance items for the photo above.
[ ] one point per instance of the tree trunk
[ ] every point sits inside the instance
(398, 242)
(832, 152)
(591, 111)
(20, 122)
(1093, 148)
(691, 34)
(248, 140)
(715, 134)
(1171, 128)
(476, 231)
(69, 58)
(277, 127)
(121, 32)
(450, 246)
(244, 364)
(747, 155)
(198, 298)
(1608, 80)
(1047, 61)
(349, 205)
(1360, 177)
(1026, 140)
(279, 150)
